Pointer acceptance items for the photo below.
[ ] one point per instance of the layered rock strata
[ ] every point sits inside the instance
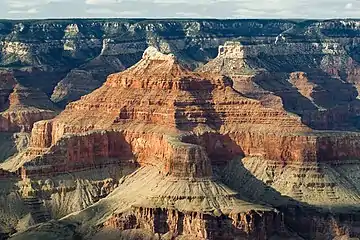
(186, 132)
(57, 56)
(167, 95)
(156, 128)
(321, 90)
(317, 166)
(21, 106)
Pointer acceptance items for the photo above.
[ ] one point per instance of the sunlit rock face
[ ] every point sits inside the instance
(207, 161)
(259, 143)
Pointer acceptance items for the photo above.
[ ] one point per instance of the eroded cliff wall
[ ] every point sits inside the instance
(62, 56)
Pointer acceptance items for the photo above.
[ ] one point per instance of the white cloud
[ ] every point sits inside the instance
(22, 4)
(28, 11)
(101, 2)
(349, 6)
(32, 3)
(100, 11)
(129, 13)
(297, 9)
(188, 14)
(32, 11)
(115, 13)
(185, 8)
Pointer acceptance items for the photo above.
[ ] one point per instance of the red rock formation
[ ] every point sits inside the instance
(181, 99)
(85, 151)
(184, 123)
(21, 107)
(167, 95)
(176, 99)
(76, 153)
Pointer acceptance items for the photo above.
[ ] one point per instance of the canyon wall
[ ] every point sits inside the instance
(71, 54)
(198, 152)
(315, 80)
(22, 106)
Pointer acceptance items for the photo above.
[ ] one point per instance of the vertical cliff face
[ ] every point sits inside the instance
(198, 225)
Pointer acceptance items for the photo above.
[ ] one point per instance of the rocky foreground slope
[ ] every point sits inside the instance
(195, 159)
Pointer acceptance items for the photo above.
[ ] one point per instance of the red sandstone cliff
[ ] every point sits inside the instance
(179, 127)
(21, 107)
(172, 100)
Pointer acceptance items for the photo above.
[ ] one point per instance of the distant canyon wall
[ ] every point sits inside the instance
(70, 58)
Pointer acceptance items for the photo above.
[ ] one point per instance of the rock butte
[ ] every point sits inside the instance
(197, 140)
(196, 110)
(322, 90)
(20, 106)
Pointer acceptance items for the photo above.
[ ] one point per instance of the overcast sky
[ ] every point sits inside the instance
(16, 9)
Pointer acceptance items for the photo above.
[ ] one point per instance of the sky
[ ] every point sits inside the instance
(315, 9)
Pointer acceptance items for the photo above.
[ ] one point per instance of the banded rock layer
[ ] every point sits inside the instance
(209, 158)
(62, 56)
(20, 106)
(168, 98)
(315, 81)
(325, 100)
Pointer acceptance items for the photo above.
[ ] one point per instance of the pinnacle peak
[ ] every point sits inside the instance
(152, 53)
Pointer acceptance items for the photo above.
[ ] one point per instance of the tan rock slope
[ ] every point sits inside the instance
(197, 141)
